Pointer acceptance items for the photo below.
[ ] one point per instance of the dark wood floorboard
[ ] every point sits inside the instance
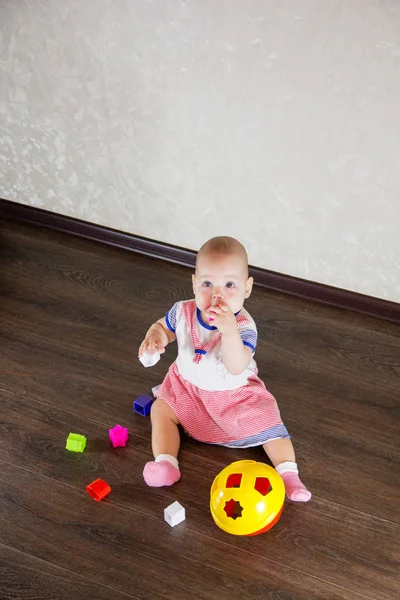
(72, 314)
(25, 577)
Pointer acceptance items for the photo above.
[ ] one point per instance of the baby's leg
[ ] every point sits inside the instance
(165, 440)
(281, 454)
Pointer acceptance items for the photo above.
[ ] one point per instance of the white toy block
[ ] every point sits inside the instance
(149, 360)
(174, 514)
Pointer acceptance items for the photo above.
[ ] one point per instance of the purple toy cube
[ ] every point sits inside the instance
(118, 436)
(142, 405)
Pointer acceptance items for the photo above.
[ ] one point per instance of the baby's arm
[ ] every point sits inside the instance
(235, 355)
(157, 337)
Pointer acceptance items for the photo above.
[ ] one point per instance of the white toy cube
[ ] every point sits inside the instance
(174, 514)
(149, 360)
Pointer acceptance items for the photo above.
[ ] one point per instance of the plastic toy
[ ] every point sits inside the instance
(98, 489)
(247, 498)
(149, 360)
(174, 514)
(118, 436)
(142, 405)
(76, 442)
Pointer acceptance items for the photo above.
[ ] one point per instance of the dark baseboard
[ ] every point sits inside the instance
(269, 279)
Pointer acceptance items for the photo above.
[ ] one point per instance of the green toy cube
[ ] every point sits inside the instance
(76, 442)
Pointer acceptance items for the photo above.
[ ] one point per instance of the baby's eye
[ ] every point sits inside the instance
(207, 284)
(230, 284)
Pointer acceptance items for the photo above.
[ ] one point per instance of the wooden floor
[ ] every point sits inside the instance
(73, 313)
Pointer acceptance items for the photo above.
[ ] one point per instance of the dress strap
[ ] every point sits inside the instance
(190, 314)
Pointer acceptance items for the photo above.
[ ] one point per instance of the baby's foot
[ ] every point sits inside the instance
(161, 473)
(295, 489)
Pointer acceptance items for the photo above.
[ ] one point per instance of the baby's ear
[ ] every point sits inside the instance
(249, 286)
(193, 280)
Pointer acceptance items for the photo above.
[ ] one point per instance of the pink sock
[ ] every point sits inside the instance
(295, 489)
(158, 473)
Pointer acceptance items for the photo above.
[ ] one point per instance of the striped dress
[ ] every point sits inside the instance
(211, 404)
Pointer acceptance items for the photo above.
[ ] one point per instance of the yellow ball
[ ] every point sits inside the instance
(247, 498)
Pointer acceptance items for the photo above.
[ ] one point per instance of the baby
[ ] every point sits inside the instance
(212, 389)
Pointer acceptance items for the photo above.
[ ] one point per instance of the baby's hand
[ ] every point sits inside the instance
(153, 342)
(222, 318)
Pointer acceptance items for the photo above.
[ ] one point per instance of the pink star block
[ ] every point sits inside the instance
(118, 436)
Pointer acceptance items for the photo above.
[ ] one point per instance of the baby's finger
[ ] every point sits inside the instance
(213, 308)
(223, 307)
(142, 348)
(152, 348)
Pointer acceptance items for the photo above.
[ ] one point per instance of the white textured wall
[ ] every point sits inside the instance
(276, 121)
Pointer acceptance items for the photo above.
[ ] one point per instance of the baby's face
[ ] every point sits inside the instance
(221, 279)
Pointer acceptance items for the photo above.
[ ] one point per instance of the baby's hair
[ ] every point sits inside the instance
(224, 244)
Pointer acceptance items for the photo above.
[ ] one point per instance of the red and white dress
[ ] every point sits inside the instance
(211, 404)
